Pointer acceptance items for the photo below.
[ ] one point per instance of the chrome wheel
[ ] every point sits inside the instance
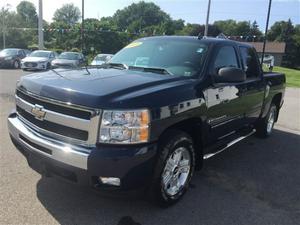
(271, 120)
(176, 172)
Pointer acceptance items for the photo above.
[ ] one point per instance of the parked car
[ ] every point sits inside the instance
(38, 60)
(148, 118)
(101, 59)
(69, 59)
(11, 57)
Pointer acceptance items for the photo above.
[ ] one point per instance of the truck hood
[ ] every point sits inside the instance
(98, 88)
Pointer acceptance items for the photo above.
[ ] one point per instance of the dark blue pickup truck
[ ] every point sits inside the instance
(148, 118)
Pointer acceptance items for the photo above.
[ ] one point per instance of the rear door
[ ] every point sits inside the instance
(224, 101)
(255, 87)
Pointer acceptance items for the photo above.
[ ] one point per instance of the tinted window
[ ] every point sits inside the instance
(226, 57)
(250, 63)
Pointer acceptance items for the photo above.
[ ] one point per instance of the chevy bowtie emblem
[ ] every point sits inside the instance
(38, 112)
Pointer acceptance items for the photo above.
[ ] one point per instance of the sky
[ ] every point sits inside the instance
(192, 11)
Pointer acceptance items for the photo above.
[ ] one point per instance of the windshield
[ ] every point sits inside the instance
(69, 55)
(181, 57)
(40, 54)
(7, 52)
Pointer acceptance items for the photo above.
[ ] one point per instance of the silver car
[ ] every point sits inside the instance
(69, 59)
(101, 59)
(38, 60)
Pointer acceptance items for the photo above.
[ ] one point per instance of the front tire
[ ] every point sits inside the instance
(48, 66)
(174, 169)
(265, 126)
(16, 64)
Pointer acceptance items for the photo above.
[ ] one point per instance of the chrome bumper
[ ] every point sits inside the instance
(69, 154)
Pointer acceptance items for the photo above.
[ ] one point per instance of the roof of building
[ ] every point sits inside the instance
(271, 47)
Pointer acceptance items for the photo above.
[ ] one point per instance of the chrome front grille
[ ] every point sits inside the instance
(62, 121)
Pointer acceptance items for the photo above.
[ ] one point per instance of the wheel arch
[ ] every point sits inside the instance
(277, 101)
(193, 127)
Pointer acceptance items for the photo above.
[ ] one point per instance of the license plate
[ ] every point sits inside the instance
(30, 65)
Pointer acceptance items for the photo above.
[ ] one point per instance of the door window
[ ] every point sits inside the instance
(226, 57)
(250, 62)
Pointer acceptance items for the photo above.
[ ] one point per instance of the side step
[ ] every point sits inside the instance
(209, 155)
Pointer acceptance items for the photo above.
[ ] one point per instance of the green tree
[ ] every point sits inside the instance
(242, 28)
(254, 29)
(103, 36)
(227, 27)
(68, 13)
(138, 16)
(27, 13)
(197, 29)
(63, 36)
(11, 29)
(284, 31)
(281, 31)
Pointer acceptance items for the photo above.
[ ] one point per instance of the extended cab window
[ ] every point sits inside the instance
(250, 62)
(226, 57)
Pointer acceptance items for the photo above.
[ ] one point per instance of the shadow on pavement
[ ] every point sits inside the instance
(257, 182)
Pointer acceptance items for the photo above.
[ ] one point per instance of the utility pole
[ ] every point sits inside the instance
(4, 11)
(266, 32)
(3, 29)
(82, 27)
(40, 25)
(207, 19)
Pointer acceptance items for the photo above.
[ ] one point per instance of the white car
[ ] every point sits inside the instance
(101, 59)
(38, 60)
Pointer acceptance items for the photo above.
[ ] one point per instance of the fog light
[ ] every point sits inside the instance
(110, 180)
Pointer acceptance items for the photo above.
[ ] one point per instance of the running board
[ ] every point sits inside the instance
(207, 156)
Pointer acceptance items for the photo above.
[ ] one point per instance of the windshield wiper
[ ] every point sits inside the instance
(116, 65)
(151, 69)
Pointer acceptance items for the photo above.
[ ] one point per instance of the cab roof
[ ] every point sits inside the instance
(209, 40)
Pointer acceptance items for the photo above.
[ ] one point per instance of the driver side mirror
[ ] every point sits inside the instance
(230, 75)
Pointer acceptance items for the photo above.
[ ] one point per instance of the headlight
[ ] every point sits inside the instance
(126, 127)
(8, 58)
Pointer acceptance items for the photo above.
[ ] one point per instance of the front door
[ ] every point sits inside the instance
(224, 100)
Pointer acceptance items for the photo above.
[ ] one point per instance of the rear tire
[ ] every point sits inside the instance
(174, 169)
(265, 126)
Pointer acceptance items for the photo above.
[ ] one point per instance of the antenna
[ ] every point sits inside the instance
(207, 19)
(266, 32)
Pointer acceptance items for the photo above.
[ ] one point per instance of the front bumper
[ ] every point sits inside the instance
(34, 65)
(133, 165)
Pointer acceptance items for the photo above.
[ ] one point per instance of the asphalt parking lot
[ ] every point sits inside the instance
(257, 182)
